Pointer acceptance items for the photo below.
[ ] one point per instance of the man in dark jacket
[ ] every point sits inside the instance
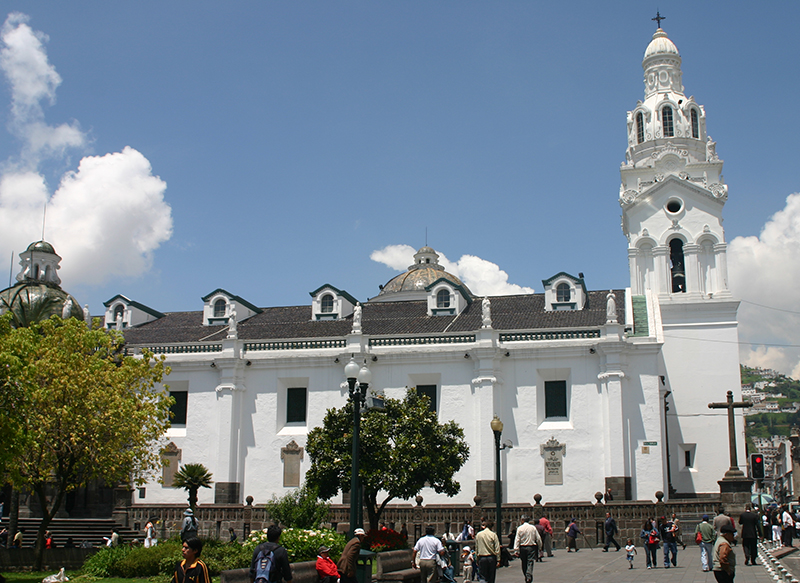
(611, 530)
(751, 527)
(281, 569)
(347, 562)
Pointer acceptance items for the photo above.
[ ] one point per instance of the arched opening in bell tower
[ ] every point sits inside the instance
(677, 268)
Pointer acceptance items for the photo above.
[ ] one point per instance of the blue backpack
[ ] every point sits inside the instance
(264, 566)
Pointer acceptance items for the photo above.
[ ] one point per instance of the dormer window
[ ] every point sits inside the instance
(330, 303)
(563, 292)
(220, 307)
(131, 313)
(667, 122)
(695, 124)
(639, 128)
(443, 298)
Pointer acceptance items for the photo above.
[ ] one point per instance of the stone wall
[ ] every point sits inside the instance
(215, 519)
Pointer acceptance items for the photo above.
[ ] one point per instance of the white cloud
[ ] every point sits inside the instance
(107, 217)
(482, 277)
(765, 270)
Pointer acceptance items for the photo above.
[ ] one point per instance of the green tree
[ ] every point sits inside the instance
(300, 508)
(82, 410)
(403, 449)
(192, 477)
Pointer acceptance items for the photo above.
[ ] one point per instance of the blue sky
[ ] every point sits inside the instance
(291, 140)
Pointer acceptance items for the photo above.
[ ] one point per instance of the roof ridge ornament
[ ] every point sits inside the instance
(658, 19)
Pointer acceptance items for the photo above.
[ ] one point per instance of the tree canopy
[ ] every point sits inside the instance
(192, 477)
(403, 449)
(80, 410)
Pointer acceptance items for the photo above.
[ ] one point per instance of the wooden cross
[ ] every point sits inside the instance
(659, 18)
(733, 471)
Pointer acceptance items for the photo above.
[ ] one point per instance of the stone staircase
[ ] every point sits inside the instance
(80, 529)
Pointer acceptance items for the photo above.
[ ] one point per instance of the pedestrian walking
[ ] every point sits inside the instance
(572, 536)
(705, 537)
(270, 560)
(611, 529)
(669, 542)
(630, 550)
(724, 557)
(526, 546)
(751, 529)
(651, 541)
(487, 547)
(547, 540)
(428, 548)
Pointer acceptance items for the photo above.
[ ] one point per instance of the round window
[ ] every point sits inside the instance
(674, 205)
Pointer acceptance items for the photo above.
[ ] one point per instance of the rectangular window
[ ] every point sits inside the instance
(666, 122)
(430, 392)
(142, 492)
(296, 405)
(555, 399)
(178, 409)
(687, 458)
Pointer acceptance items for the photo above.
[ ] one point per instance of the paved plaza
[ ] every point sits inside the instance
(590, 565)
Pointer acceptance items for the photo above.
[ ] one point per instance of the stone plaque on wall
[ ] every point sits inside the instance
(291, 455)
(553, 454)
(171, 458)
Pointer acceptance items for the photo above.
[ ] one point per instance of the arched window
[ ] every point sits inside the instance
(327, 304)
(119, 311)
(219, 308)
(563, 292)
(639, 128)
(443, 298)
(677, 269)
(666, 121)
(695, 124)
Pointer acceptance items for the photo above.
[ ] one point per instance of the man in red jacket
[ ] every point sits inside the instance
(326, 568)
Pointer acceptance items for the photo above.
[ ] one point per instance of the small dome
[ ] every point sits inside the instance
(42, 246)
(34, 301)
(421, 274)
(417, 280)
(660, 45)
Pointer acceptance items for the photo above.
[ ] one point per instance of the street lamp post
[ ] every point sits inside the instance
(358, 379)
(497, 429)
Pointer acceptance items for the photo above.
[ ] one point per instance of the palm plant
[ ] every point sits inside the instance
(192, 477)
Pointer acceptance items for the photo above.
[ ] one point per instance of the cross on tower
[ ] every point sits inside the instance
(659, 18)
(733, 471)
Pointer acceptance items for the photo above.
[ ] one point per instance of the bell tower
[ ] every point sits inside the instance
(672, 190)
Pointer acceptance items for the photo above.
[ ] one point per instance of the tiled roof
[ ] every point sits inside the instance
(522, 312)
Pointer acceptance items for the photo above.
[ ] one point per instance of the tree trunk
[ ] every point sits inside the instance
(13, 516)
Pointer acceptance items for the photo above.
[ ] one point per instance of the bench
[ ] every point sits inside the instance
(396, 566)
(305, 572)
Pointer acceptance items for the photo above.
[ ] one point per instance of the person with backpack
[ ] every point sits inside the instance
(189, 526)
(191, 569)
(270, 562)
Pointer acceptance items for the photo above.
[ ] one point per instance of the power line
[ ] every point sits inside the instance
(740, 342)
(770, 307)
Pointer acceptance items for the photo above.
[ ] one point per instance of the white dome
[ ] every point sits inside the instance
(660, 45)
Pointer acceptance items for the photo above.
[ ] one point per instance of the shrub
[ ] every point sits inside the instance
(300, 508)
(103, 562)
(301, 544)
(384, 540)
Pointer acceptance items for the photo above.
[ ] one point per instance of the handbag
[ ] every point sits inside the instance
(698, 538)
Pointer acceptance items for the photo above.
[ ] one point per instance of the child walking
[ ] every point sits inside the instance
(631, 550)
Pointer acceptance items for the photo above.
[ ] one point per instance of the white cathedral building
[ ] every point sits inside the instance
(582, 380)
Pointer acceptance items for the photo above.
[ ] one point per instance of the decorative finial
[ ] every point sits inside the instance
(659, 18)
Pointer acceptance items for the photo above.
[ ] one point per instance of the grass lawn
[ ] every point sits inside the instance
(34, 577)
